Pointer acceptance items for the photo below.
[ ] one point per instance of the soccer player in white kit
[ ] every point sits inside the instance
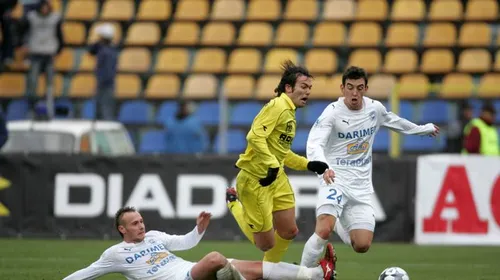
(343, 137)
(148, 255)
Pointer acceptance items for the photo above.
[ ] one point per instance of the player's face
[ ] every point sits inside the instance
(353, 91)
(133, 227)
(300, 93)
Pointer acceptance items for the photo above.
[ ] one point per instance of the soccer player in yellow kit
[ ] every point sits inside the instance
(263, 195)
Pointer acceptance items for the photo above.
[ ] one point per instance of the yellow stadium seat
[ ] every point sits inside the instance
(74, 33)
(245, 61)
(17, 12)
(128, 86)
(334, 86)
(481, 10)
(408, 10)
(81, 10)
(154, 10)
(228, 10)
(200, 86)
(264, 10)
(163, 86)
(488, 86)
(65, 60)
(218, 34)
(57, 86)
(174, 60)
(275, 57)
(182, 33)
(364, 34)
(19, 60)
(87, 62)
(435, 61)
(497, 62)
(56, 4)
(82, 85)
(440, 35)
(399, 61)
(413, 86)
(474, 61)
(209, 61)
(475, 35)
(239, 87)
(446, 10)
(457, 86)
(381, 86)
(292, 34)
(12, 84)
(402, 35)
(122, 10)
(134, 60)
(321, 61)
(255, 34)
(92, 38)
(192, 10)
(372, 10)
(266, 85)
(339, 10)
(143, 33)
(329, 34)
(301, 10)
(320, 88)
(369, 59)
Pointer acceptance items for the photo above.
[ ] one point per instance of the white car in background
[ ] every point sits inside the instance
(68, 136)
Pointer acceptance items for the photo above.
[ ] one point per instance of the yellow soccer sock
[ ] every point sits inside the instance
(280, 247)
(237, 210)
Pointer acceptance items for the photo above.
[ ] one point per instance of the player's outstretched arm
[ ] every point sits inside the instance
(401, 125)
(296, 162)
(189, 240)
(104, 265)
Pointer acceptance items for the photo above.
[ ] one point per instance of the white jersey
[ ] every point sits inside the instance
(148, 260)
(343, 138)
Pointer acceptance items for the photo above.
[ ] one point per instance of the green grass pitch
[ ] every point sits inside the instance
(54, 259)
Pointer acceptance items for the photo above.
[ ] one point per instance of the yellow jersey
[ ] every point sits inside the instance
(270, 139)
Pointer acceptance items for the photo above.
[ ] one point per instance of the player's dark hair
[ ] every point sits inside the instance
(119, 215)
(354, 73)
(290, 74)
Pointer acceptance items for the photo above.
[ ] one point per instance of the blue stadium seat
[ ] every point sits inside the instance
(435, 112)
(313, 111)
(66, 104)
(243, 113)
(496, 103)
(382, 140)
(405, 109)
(135, 112)
(208, 112)
(300, 115)
(17, 110)
(300, 141)
(153, 141)
(167, 110)
(88, 110)
(236, 141)
(414, 143)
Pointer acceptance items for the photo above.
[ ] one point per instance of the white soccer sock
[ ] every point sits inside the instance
(226, 273)
(312, 250)
(342, 233)
(286, 271)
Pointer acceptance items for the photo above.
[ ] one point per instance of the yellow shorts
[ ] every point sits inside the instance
(260, 202)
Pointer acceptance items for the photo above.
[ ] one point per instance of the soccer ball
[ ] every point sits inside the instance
(394, 273)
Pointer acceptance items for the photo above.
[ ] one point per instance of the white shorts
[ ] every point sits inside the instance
(184, 272)
(353, 212)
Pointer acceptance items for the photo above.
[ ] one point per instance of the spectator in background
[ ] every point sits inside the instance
(184, 132)
(480, 135)
(6, 7)
(454, 142)
(43, 33)
(105, 71)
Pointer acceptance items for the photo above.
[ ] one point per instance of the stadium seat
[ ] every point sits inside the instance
(496, 67)
(194, 10)
(275, 57)
(339, 10)
(57, 86)
(301, 10)
(364, 34)
(143, 33)
(481, 10)
(88, 110)
(474, 61)
(255, 34)
(134, 60)
(381, 86)
(488, 86)
(414, 143)
(369, 59)
(81, 10)
(320, 89)
(209, 60)
(334, 86)
(208, 112)
(92, 38)
(228, 10)
(154, 10)
(440, 35)
(477, 34)
(135, 112)
(238, 87)
(200, 86)
(457, 86)
(321, 61)
(300, 141)
(267, 10)
(163, 87)
(243, 113)
(371, 10)
(12, 84)
(329, 34)
(445, 10)
(218, 34)
(437, 61)
(17, 109)
(87, 62)
(235, 141)
(434, 111)
(408, 10)
(314, 110)
(128, 86)
(120, 10)
(174, 60)
(166, 110)
(413, 86)
(381, 141)
(266, 85)
(82, 86)
(182, 33)
(294, 34)
(74, 33)
(65, 103)
(399, 61)
(402, 35)
(65, 60)
(153, 142)
(244, 60)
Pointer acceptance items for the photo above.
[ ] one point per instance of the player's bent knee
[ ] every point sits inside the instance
(361, 247)
(289, 234)
(216, 260)
(265, 245)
